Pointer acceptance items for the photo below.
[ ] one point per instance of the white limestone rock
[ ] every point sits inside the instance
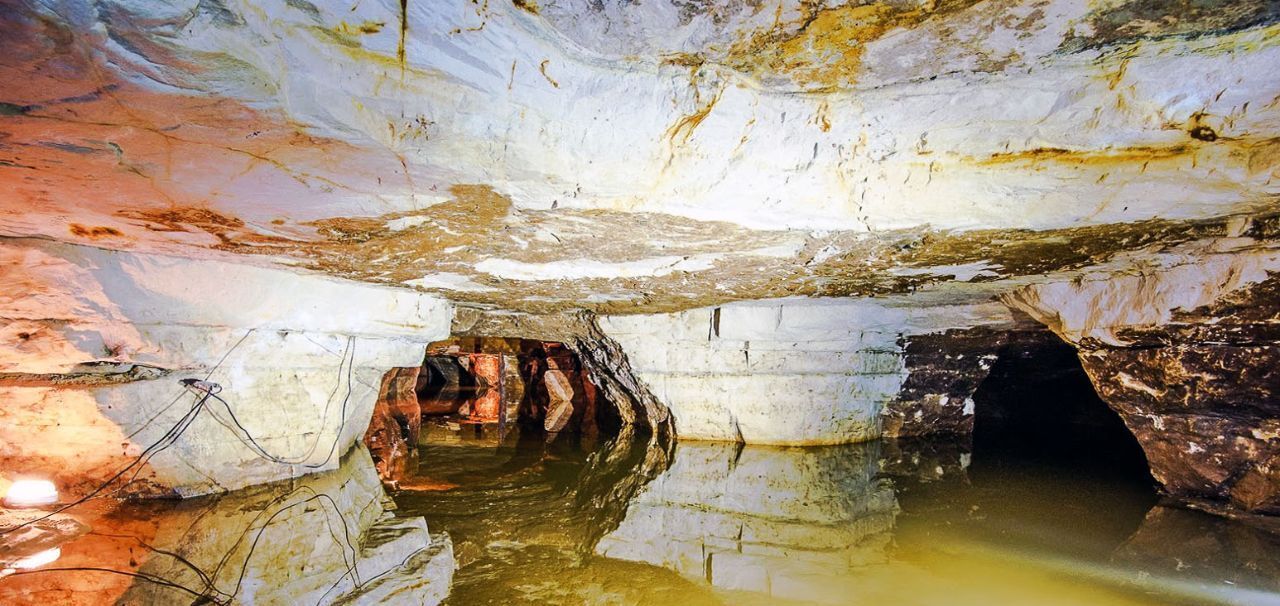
(789, 371)
(755, 518)
(298, 358)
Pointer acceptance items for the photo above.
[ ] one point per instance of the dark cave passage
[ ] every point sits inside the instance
(536, 386)
(1038, 405)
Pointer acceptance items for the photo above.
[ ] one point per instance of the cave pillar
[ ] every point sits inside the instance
(393, 432)
(488, 370)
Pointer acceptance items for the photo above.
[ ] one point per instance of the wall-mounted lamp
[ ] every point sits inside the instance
(31, 493)
(47, 556)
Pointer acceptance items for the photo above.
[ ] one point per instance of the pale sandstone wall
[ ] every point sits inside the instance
(299, 358)
(790, 371)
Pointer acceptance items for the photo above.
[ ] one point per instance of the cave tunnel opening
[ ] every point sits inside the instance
(1049, 458)
(1038, 405)
(488, 384)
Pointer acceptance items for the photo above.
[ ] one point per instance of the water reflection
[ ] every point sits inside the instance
(326, 538)
(788, 523)
(925, 522)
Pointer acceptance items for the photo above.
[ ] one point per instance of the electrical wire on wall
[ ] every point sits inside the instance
(211, 390)
(205, 391)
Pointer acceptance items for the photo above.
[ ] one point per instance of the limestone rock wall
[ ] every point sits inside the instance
(1183, 344)
(327, 538)
(97, 341)
(956, 115)
(810, 371)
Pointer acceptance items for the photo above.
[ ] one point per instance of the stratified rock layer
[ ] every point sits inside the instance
(295, 371)
(785, 523)
(803, 371)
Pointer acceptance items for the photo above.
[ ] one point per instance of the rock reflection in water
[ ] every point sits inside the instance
(785, 522)
(893, 522)
(326, 538)
(526, 515)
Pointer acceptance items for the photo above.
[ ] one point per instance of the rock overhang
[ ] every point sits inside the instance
(625, 158)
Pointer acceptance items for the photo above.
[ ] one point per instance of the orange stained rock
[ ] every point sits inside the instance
(824, 50)
(487, 367)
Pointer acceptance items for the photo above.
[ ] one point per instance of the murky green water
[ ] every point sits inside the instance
(627, 521)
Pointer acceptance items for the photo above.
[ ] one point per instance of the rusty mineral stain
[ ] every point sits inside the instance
(679, 133)
(542, 67)
(689, 60)
(1104, 157)
(233, 233)
(529, 6)
(99, 231)
(823, 51)
(1261, 156)
(366, 27)
(404, 32)
(821, 119)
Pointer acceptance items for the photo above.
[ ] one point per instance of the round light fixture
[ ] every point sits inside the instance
(31, 493)
(47, 556)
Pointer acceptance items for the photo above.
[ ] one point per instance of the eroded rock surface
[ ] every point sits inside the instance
(636, 156)
(327, 538)
(1183, 346)
(664, 160)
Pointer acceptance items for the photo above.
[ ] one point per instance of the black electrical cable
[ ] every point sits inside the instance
(170, 436)
(346, 531)
(210, 390)
(137, 575)
(204, 578)
(246, 437)
(215, 368)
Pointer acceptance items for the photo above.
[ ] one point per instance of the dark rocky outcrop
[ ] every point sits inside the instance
(944, 369)
(1202, 394)
(1185, 346)
(601, 357)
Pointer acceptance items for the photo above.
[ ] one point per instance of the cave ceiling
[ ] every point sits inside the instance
(655, 155)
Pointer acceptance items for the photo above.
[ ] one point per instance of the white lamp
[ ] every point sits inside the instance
(47, 556)
(31, 493)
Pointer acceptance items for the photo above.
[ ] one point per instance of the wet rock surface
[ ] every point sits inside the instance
(328, 538)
